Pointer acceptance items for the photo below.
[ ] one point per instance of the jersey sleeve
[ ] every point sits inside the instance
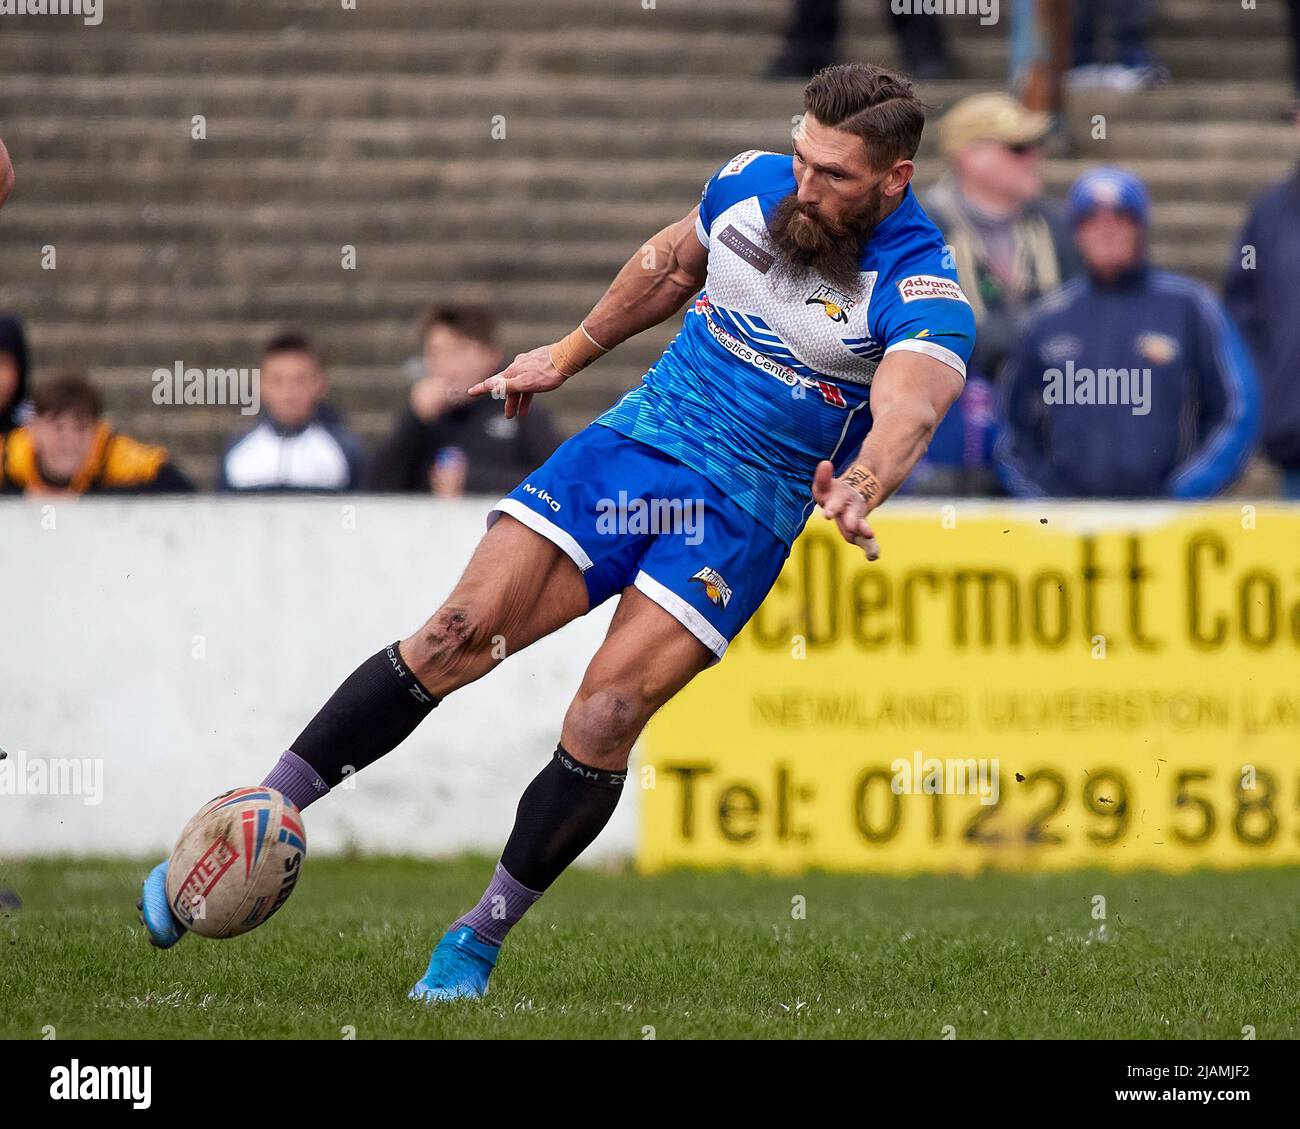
(731, 183)
(923, 310)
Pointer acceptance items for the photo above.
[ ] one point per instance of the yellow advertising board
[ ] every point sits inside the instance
(1044, 686)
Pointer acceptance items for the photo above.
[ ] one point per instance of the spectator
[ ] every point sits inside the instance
(1128, 382)
(66, 448)
(1009, 245)
(1293, 10)
(1260, 289)
(14, 406)
(298, 444)
(1041, 47)
(813, 30)
(445, 442)
(959, 460)
(1134, 66)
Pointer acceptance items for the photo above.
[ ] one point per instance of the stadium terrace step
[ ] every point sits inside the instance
(1178, 18)
(530, 136)
(593, 98)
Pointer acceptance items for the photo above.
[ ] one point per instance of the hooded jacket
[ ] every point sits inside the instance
(116, 465)
(14, 341)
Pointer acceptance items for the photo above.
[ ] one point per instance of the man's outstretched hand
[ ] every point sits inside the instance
(843, 504)
(528, 374)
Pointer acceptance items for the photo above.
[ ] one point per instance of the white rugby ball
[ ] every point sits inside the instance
(236, 862)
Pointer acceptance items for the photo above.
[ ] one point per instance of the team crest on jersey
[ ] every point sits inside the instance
(717, 589)
(835, 303)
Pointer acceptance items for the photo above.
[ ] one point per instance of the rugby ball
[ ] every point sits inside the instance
(236, 862)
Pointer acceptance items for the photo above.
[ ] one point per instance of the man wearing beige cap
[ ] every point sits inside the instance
(1009, 245)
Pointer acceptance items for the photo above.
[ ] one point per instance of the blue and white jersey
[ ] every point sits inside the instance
(772, 369)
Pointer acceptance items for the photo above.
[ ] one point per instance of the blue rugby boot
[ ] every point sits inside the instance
(159, 921)
(458, 970)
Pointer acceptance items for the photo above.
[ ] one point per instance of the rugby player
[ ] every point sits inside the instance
(826, 339)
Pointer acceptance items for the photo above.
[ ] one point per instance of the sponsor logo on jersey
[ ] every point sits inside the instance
(831, 394)
(748, 250)
(717, 589)
(740, 161)
(835, 303)
(786, 375)
(921, 286)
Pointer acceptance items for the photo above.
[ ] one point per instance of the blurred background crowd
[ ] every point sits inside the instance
(1123, 214)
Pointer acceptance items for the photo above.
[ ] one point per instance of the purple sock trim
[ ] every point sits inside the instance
(503, 903)
(296, 779)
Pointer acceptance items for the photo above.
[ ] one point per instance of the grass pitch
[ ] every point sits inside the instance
(688, 955)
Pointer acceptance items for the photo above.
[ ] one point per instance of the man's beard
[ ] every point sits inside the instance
(809, 244)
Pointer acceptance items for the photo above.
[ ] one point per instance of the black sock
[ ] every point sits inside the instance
(560, 813)
(375, 709)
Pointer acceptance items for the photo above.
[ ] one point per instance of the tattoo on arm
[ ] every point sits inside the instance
(864, 482)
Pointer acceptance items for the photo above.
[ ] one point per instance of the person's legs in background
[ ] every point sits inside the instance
(1293, 9)
(810, 39)
(921, 42)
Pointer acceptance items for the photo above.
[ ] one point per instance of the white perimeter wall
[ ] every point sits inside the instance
(102, 616)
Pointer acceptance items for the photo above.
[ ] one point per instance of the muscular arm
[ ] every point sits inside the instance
(910, 394)
(652, 286)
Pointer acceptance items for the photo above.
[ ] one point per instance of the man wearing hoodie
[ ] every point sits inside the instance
(68, 449)
(1129, 382)
(14, 406)
(298, 445)
(1260, 290)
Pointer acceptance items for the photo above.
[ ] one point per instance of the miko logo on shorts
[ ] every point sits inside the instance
(542, 496)
(717, 589)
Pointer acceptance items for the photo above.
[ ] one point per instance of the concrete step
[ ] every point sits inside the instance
(33, 97)
(604, 221)
(1175, 18)
(648, 47)
(528, 182)
(527, 136)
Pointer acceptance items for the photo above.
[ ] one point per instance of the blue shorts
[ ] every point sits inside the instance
(629, 514)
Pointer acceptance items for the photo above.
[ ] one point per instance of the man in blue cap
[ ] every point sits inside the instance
(1129, 382)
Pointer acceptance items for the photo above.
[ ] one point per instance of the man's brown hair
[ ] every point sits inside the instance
(881, 107)
(290, 341)
(67, 391)
(478, 323)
